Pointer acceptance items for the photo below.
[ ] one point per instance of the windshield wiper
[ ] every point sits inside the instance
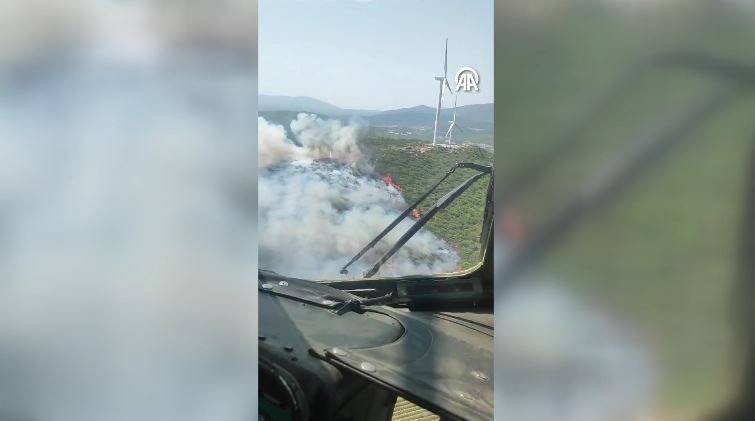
(439, 205)
(396, 221)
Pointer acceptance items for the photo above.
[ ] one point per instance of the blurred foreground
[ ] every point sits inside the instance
(642, 313)
(127, 228)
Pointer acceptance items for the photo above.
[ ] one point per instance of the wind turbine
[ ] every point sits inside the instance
(453, 124)
(441, 80)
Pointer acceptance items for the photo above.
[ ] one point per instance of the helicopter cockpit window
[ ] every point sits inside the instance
(346, 200)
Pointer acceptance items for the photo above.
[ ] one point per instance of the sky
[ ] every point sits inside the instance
(374, 54)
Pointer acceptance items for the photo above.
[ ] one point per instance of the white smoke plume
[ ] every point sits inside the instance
(318, 139)
(319, 204)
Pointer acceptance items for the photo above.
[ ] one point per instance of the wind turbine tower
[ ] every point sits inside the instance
(441, 81)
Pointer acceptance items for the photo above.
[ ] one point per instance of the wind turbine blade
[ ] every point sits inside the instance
(449, 85)
(445, 63)
(458, 127)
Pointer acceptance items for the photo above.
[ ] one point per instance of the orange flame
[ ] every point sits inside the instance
(389, 181)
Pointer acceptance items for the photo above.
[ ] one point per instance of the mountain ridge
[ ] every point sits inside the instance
(314, 105)
(476, 120)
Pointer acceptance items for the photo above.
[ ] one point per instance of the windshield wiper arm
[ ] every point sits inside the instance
(439, 205)
(408, 210)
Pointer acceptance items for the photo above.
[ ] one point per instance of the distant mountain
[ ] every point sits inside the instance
(417, 122)
(420, 115)
(296, 103)
(306, 104)
(477, 115)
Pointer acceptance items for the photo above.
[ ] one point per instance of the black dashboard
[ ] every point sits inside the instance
(346, 350)
(319, 363)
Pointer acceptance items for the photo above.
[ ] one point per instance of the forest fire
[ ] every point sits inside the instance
(389, 181)
(316, 187)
